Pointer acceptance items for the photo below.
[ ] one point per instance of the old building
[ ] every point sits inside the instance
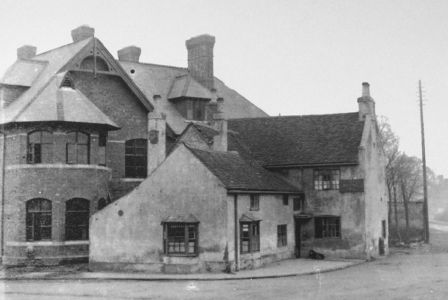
(77, 132)
(249, 191)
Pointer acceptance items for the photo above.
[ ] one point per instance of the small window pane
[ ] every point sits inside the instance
(83, 138)
(83, 154)
(71, 137)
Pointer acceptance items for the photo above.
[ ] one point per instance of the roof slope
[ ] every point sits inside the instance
(53, 103)
(23, 73)
(299, 140)
(237, 174)
(158, 79)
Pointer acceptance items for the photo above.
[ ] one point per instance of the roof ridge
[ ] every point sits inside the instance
(292, 116)
(155, 65)
(58, 48)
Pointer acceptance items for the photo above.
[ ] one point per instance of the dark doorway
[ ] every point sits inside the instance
(298, 233)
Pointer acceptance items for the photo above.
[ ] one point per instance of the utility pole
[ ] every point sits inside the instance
(425, 188)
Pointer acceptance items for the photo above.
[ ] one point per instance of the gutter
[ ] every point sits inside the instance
(309, 165)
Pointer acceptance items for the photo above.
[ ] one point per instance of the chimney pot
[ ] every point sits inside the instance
(82, 32)
(130, 53)
(26, 52)
(365, 89)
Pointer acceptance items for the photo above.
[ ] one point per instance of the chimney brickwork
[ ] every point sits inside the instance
(130, 53)
(157, 139)
(26, 52)
(366, 103)
(82, 32)
(200, 59)
(220, 120)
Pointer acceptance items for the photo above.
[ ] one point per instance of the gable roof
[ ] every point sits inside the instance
(299, 140)
(42, 82)
(158, 80)
(186, 86)
(55, 103)
(235, 173)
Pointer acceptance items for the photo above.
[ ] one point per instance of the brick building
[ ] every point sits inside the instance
(78, 132)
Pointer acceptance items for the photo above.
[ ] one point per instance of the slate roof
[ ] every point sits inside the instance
(23, 73)
(155, 79)
(186, 86)
(298, 140)
(55, 103)
(235, 173)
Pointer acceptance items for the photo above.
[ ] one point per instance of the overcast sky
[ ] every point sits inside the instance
(287, 57)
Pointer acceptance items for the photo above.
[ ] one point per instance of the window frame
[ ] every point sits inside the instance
(102, 149)
(81, 226)
(187, 239)
(32, 148)
(77, 148)
(326, 179)
(34, 227)
(327, 227)
(254, 202)
(285, 200)
(132, 171)
(282, 235)
(252, 237)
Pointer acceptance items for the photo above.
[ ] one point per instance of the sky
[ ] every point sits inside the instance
(295, 57)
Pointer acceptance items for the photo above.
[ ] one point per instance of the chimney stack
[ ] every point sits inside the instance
(200, 59)
(220, 140)
(26, 52)
(82, 32)
(366, 103)
(157, 139)
(130, 53)
(212, 106)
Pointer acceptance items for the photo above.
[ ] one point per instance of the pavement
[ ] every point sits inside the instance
(286, 268)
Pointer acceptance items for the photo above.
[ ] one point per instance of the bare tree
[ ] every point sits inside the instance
(390, 143)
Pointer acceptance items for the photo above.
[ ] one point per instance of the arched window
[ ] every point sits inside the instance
(88, 62)
(102, 203)
(77, 148)
(40, 147)
(77, 212)
(38, 220)
(136, 158)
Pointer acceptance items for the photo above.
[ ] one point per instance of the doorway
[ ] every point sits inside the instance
(298, 237)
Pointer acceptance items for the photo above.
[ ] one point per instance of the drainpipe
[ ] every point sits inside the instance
(236, 249)
(3, 198)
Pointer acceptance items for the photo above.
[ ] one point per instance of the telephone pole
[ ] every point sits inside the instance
(425, 188)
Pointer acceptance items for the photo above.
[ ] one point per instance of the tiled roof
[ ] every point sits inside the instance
(186, 86)
(23, 73)
(157, 80)
(55, 103)
(299, 140)
(235, 173)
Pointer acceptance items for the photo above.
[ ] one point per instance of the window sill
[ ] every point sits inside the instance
(181, 255)
(132, 179)
(48, 243)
